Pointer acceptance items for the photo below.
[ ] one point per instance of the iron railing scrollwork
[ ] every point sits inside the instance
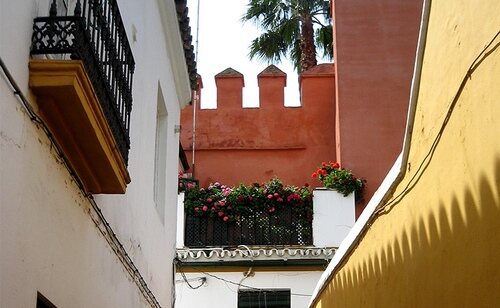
(259, 229)
(96, 35)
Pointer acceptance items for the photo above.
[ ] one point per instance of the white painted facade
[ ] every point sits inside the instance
(52, 240)
(216, 292)
(334, 217)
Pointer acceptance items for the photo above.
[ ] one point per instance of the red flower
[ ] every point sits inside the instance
(209, 200)
(280, 199)
(306, 185)
(314, 175)
(323, 164)
(221, 213)
(250, 198)
(335, 165)
(240, 198)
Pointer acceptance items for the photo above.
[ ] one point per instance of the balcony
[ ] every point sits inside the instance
(81, 74)
(325, 225)
(284, 228)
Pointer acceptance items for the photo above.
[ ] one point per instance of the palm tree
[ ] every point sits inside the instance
(288, 30)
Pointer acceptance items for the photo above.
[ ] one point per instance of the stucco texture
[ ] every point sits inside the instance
(246, 145)
(436, 244)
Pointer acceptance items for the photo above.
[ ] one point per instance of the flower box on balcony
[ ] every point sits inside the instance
(334, 216)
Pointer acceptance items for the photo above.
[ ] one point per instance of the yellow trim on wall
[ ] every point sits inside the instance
(68, 104)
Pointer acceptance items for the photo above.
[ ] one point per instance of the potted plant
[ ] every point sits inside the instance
(340, 179)
(334, 205)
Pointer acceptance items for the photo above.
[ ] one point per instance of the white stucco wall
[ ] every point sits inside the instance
(334, 216)
(48, 240)
(218, 293)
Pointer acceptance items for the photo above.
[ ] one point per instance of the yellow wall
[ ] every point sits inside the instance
(440, 246)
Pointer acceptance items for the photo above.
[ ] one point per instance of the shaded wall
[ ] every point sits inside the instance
(374, 50)
(437, 245)
(245, 145)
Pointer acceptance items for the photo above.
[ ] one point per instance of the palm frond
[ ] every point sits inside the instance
(324, 40)
(280, 21)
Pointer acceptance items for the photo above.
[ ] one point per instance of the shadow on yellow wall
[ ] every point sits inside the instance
(448, 259)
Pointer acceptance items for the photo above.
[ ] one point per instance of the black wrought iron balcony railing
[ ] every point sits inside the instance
(260, 229)
(95, 34)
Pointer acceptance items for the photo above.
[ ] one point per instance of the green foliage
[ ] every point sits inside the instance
(281, 22)
(233, 203)
(340, 179)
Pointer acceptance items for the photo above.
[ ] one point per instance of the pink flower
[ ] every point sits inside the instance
(269, 196)
(250, 198)
(221, 213)
(222, 203)
(225, 218)
(276, 195)
(271, 210)
(209, 200)
(204, 208)
(196, 209)
(280, 199)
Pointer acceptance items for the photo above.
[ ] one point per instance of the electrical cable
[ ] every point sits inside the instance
(249, 287)
(203, 280)
(179, 265)
(428, 157)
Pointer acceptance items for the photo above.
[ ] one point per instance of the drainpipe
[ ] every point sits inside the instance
(195, 103)
(403, 159)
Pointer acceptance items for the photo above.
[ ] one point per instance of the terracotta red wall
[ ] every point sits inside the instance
(245, 145)
(374, 50)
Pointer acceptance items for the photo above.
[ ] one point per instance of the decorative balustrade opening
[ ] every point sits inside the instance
(260, 229)
(96, 35)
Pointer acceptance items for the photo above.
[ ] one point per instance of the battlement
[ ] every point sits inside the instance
(273, 133)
